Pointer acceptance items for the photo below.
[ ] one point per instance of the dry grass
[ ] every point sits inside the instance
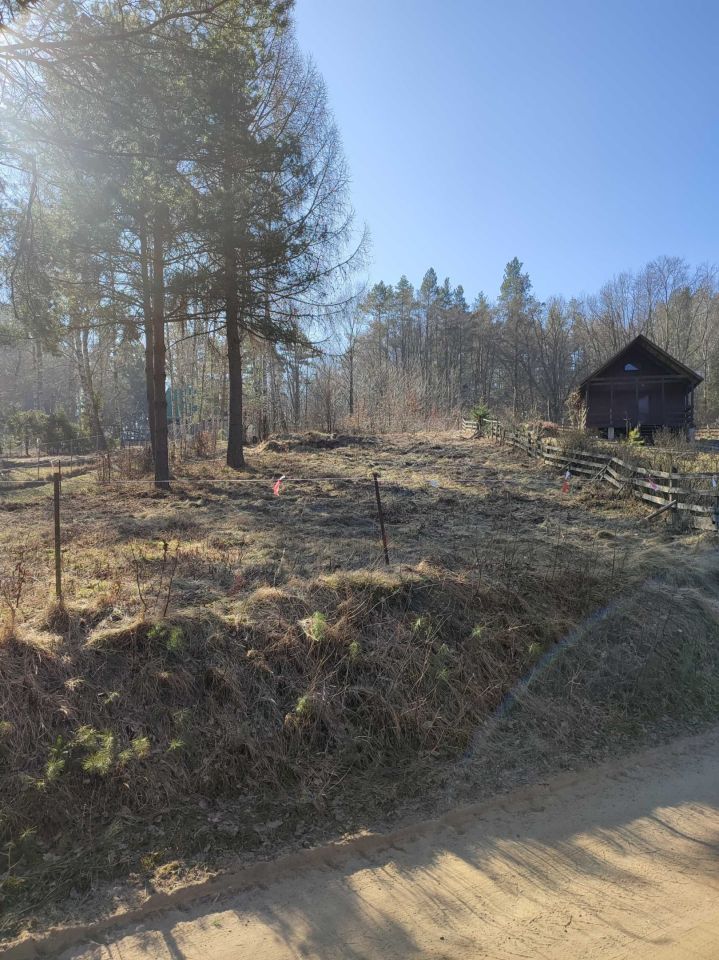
(280, 666)
(669, 452)
(640, 667)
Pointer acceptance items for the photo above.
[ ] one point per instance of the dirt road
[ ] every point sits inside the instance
(619, 862)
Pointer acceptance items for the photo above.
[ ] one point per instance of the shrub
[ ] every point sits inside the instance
(315, 627)
(204, 443)
(54, 430)
(480, 411)
(577, 439)
(173, 638)
(576, 410)
(303, 707)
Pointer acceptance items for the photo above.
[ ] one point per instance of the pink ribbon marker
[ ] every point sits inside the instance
(276, 485)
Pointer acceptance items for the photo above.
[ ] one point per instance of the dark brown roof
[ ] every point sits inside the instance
(657, 352)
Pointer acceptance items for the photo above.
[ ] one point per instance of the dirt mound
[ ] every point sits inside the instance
(320, 695)
(306, 442)
(309, 692)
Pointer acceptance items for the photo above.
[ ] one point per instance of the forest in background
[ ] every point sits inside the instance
(180, 254)
(396, 358)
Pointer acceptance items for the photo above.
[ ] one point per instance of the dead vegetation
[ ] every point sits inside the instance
(313, 440)
(640, 667)
(224, 654)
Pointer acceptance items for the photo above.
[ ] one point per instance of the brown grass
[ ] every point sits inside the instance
(305, 687)
(292, 670)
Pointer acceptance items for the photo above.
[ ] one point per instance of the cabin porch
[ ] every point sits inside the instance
(652, 402)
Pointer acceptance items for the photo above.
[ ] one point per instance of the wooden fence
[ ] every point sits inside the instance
(692, 496)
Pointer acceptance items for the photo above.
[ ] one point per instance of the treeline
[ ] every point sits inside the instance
(418, 352)
(178, 249)
(394, 357)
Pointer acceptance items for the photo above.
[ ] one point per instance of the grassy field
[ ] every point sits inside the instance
(450, 499)
(233, 672)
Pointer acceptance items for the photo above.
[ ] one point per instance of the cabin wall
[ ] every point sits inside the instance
(637, 403)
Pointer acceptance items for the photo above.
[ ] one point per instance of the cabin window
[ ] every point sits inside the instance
(643, 406)
(630, 368)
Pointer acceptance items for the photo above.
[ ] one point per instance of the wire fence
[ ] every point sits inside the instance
(356, 520)
(356, 524)
(361, 519)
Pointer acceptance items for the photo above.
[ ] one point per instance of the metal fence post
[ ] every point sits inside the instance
(381, 518)
(58, 554)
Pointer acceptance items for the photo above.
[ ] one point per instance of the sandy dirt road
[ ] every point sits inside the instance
(619, 862)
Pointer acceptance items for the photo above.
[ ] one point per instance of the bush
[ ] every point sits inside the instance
(53, 430)
(634, 437)
(672, 449)
(315, 627)
(577, 439)
(204, 444)
(480, 411)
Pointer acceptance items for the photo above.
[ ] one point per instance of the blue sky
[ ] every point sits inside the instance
(580, 135)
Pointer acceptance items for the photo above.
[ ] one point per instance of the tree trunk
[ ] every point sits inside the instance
(92, 404)
(264, 400)
(149, 338)
(350, 356)
(38, 393)
(296, 390)
(162, 460)
(235, 438)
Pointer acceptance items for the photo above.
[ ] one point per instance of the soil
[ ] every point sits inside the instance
(617, 862)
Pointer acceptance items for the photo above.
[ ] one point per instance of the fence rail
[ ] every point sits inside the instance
(695, 495)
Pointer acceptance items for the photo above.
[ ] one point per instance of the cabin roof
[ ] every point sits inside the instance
(651, 348)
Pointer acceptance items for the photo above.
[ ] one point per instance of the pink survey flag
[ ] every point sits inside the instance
(276, 485)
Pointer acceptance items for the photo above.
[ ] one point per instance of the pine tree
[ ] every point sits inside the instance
(517, 305)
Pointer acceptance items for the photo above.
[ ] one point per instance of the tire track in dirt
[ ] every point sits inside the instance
(620, 861)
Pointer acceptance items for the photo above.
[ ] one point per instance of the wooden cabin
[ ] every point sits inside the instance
(641, 386)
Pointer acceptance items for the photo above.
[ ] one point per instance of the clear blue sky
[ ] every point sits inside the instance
(580, 135)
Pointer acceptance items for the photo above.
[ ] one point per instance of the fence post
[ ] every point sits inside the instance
(381, 518)
(58, 554)
(672, 496)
